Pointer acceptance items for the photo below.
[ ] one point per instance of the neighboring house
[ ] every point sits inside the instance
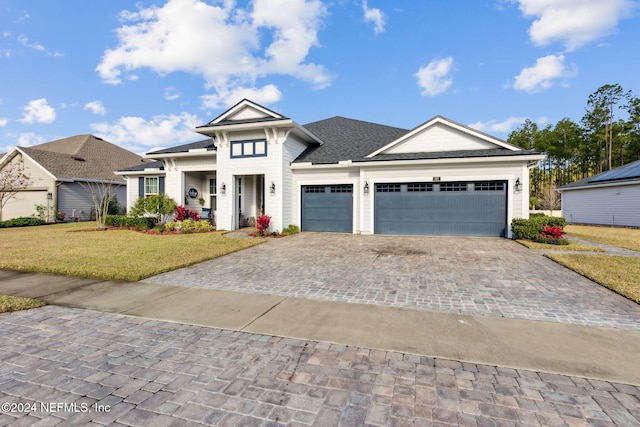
(344, 175)
(58, 170)
(610, 198)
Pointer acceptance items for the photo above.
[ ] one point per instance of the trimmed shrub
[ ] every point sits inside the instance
(291, 229)
(25, 221)
(533, 227)
(139, 223)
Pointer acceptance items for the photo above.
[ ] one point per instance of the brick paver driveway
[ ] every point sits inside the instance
(478, 276)
(61, 366)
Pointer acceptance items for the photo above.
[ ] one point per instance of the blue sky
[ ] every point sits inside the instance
(143, 74)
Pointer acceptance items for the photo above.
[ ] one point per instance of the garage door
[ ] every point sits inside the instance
(327, 208)
(441, 209)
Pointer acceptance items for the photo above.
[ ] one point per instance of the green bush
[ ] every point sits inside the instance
(158, 206)
(187, 226)
(551, 240)
(291, 229)
(534, 226)
(139, 223)
(25, 221)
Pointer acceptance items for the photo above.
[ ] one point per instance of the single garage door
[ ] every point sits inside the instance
(441, 209)
(327, 208)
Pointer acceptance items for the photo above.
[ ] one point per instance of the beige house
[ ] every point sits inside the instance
(57, 171)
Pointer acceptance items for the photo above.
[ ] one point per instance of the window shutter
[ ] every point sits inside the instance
(161, 185)
(141, 186)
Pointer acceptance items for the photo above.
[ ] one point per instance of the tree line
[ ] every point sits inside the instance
(607, 136)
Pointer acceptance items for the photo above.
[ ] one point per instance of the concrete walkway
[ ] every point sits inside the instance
(607, 354)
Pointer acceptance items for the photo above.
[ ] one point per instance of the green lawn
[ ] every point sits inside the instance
(572, 246)
(628, 238)
(618, 273)
(77, 249)
(10, 303)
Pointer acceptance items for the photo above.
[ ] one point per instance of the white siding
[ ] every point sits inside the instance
(615, 205)
(438, 138)
(292, 149)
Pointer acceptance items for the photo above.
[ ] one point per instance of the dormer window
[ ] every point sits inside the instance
(249, 148)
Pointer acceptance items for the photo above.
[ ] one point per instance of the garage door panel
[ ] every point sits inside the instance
(435, 212)
(327, 208)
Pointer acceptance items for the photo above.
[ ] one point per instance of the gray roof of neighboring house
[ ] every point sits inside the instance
(347, 139)
(206, 143)
(623, 174)
(82, 157)
(143, 166)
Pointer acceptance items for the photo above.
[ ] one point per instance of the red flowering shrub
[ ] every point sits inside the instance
(553, 232)
(262, 224)
(183, 213)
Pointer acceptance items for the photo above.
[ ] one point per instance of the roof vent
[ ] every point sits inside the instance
(80, 159)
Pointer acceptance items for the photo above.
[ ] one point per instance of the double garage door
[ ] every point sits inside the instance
(417, 208)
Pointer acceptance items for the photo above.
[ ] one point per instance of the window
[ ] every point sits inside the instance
(314, 189)
(249, 148)
(213, 190)
(419, 187)
(453, 186)
(387, 188)
(488, 186)
(151, 186)
(341, 189)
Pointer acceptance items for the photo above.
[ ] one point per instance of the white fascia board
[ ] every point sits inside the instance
(52, 176)
(242, 104)
(184, 154)
(212, 130)
(382, 163)
(300, 130)
(148, 171)
(601, 185)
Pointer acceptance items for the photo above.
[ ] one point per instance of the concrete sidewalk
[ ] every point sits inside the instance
(599, 353)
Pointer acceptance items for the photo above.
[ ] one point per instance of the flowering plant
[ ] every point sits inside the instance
(553, 232)
(262, 224)
(183, 213)
(60, 216)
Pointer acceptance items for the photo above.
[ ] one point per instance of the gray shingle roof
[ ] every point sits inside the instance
(627, 173)
(347, 139)
(142, 167)
(82, 157)
(206, 143)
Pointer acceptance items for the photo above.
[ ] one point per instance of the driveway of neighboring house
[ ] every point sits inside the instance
(478, 276)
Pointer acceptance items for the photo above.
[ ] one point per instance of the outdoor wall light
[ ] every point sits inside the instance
(49, 196)
(518, 185)
(223, 189)
(366, 188)
(272, 189)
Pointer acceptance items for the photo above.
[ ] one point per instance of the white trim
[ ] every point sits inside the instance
(331, 181)
(152, 156)
(451, 124)
(242, 105)
(440, 161)
(599, 185)
(52, 176)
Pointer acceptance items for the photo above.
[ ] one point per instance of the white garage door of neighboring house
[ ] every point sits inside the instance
(327, 208)
(24, 204)
(441, 208)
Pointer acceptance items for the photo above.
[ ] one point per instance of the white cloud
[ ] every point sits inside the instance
(140, 135)
(24, 41)
(222, 43)
(95, 107)
(375, 16)
(434, 78)
(542, 75)
(227, 97)
(38, 111)
(171, 93)
(573, 23)
(29, 139)
(3, 121)
(505, 126)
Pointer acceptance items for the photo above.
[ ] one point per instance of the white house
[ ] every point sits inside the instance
(609, 198)
(344, 175)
